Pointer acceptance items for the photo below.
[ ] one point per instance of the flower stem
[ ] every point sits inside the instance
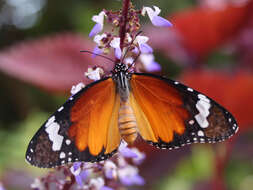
(123, 22)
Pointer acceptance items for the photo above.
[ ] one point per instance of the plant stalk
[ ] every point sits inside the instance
(123, 22)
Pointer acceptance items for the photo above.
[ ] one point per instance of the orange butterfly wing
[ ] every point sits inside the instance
(170, 115)
(94, 117)
(161, 104)
(85, 128)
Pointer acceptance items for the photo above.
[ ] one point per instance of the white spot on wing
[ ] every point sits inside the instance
(200, 133)
(50, 121)
(68, 142)
(202, 106)
(60, 109)
(191, 122)
(190, 89)
(62, 155)
(57, 139)
(176, 82)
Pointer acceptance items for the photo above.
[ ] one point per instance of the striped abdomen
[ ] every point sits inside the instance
(127, 122)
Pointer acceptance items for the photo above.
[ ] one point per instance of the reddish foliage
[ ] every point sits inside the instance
(54, 63)
(204, 29)
(198, 31)
(233, 91)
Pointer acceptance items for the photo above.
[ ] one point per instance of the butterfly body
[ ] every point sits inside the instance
(92, 123)
(127, 122)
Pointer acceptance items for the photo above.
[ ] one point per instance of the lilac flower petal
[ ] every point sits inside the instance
(135, 50)
(138, 180)
(145, 48)
(109, 174)
(96, 50)
(95, 30)
(118, 53)
(84, 174)
(126, 180)
(153, 67)
(161, 22)
(106, 188)
(128, 153)
(76, 165)
(79, 180)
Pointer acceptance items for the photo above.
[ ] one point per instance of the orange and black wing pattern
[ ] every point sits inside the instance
(170, 115)
(80, 130)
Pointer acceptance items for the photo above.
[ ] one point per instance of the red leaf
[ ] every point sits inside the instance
(233, 91)
(54, 63)
(200, 30)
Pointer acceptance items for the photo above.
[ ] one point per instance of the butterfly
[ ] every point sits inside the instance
(92, 123)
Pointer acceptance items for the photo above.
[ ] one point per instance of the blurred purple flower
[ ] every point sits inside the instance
(110, 169)
(127, 152)
(129, 176)
(1, 186)
(99, 19)
(97, 51)
(140, 156)
(155, 19)
(149, 63)
(80, 175)
(106, 188)
(135, 50)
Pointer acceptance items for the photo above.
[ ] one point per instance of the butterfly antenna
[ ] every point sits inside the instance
(85, 51)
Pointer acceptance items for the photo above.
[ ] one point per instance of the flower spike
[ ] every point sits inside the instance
(155, 19)
(99, 19)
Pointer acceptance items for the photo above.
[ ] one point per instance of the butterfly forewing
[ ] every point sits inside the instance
(80, 129)
(170, 114)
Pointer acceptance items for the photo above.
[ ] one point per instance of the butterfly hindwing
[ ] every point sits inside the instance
(176, 115)
(75, 132)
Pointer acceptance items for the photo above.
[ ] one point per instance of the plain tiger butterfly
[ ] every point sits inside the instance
(90, 126)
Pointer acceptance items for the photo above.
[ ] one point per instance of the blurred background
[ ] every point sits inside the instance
(210, 48)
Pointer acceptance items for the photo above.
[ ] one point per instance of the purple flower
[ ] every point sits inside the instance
(149, 64)
(129, 176)
(97, 51)
(106, 188)
(135, 50)
(99, 19)
(144, 47)
(97, 183)
(110, 169)
(127, 152)
(140, 156)
(80, 175)
(115, 43)
(155, 19)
